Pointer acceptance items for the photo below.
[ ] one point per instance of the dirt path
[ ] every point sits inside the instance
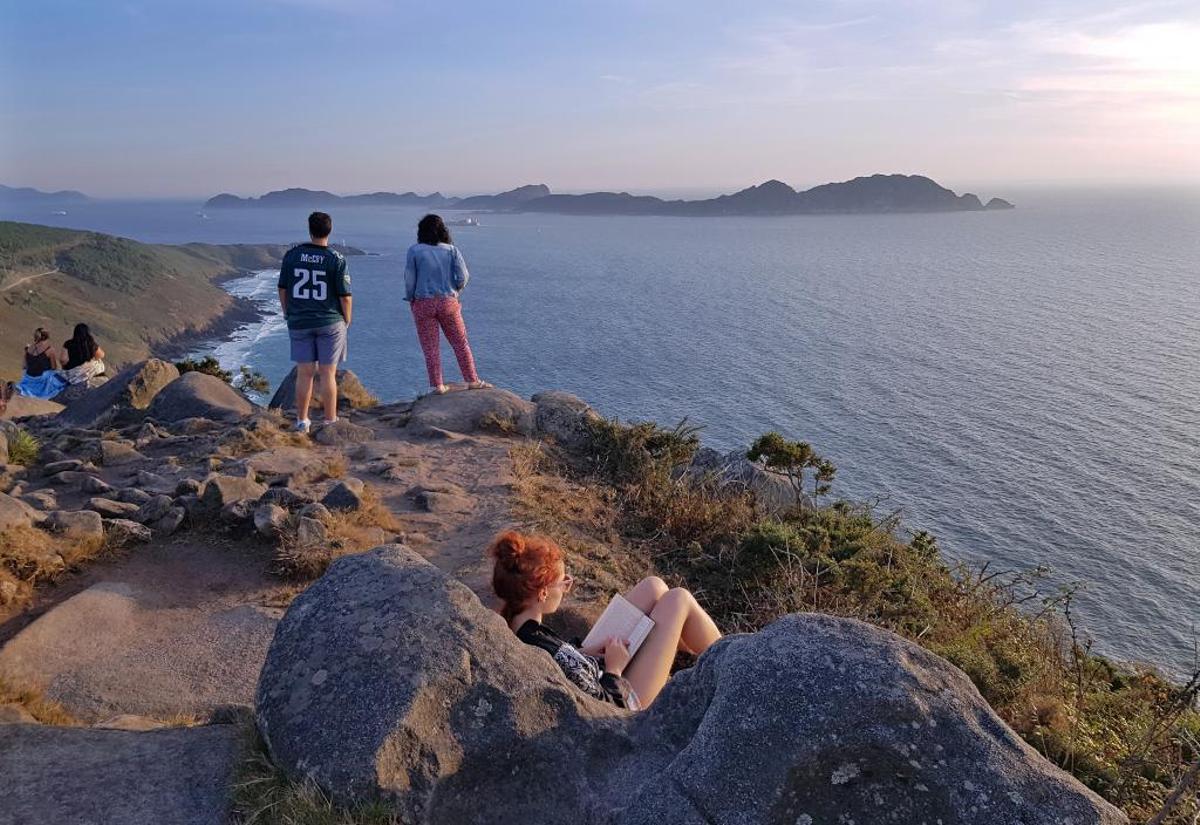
(180, 627)
(27, 278)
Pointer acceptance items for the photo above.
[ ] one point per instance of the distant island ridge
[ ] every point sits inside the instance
(867, 195)
(26, 196)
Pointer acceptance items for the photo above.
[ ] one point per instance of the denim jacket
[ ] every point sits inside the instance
(434, 272)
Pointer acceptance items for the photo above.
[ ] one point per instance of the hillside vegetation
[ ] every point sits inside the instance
(133, 295)
(1126, 731)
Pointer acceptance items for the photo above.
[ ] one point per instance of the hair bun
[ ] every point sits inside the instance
(508, 547)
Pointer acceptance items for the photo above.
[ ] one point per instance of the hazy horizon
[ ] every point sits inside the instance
(984, 190)
(184, 101)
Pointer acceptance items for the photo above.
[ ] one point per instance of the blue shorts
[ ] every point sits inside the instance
(319, 345)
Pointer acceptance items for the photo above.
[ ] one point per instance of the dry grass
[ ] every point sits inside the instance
(34, 556)
(1124, 731)
(30, 557)
(267, 430)
(499, 424)
(359, 398)
(582, 518)
(263, 795)
(347, 532)
(46, 711)
(334, 466)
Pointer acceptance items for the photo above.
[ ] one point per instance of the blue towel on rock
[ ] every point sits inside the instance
(47, 385)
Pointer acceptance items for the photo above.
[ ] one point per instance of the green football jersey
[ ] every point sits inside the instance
(315, 278)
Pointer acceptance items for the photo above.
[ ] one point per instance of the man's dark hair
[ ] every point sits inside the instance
(320, 225)
(432, 230)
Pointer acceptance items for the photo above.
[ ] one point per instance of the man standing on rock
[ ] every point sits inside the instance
(314, 291)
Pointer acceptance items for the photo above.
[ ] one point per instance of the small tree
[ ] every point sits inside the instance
(252, 381)
(797, 461)
(208, 365)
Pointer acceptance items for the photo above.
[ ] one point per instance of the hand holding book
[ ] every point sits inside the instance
(621, 621)
(616, 657)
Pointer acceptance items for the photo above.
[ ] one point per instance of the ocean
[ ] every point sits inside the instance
(1022, 384)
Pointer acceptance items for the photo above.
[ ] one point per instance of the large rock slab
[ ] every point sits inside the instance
(471, 411)
(121, 399)
(375, 666)
(20, 406)
(351, 393)
(388, 679)
(181, 631)
(77, 775)
(199, 395)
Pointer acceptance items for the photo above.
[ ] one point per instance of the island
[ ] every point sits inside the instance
(872, 194)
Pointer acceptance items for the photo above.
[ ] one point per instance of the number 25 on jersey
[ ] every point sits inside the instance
(302, 289)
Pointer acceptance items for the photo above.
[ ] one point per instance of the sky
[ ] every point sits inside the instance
(166, 98)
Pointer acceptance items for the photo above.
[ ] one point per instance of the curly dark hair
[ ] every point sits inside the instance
(432, 230)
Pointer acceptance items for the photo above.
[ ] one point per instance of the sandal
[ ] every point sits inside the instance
(479, 385)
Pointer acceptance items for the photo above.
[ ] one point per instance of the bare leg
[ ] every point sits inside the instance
(304, 388)
(678, 618)
(328, 375)
(646, 593)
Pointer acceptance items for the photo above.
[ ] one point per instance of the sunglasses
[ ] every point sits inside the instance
(566, 582)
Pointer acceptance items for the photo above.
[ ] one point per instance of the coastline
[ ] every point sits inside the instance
(241, 311)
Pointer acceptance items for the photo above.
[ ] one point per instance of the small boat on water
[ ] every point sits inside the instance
(59, 212)
(466, 222)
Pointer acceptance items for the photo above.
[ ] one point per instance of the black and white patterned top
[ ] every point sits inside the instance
(585, 672)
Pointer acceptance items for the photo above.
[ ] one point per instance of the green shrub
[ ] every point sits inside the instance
(23, 448)
(252, 381)
(1126, 732)
(208, 365)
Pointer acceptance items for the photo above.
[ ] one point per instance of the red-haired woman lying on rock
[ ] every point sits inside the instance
(531, 579)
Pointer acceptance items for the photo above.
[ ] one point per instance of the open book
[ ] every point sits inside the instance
(620, 620)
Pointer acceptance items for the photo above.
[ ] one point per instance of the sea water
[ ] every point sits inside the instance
(1022, 384)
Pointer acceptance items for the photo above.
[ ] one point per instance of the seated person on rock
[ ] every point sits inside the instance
(41, 378)
(531, 579)
(82, 357)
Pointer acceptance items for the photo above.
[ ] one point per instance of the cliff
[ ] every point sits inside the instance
(134, 296)
(873, 677)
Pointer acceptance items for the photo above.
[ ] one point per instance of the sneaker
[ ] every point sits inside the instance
(303, 425)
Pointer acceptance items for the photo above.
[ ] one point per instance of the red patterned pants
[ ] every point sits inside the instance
(445, 312)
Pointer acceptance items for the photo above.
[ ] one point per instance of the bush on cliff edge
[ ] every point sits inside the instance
(1125, 731)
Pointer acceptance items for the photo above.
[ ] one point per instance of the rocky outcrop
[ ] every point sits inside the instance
(100, 776)
(351, 392)
(221, 490)
(342, 433)
(14, 513)
(199, 395)
(470, 411)
(773, 492)
(564, 417)
(121, 399)
(387, 679)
